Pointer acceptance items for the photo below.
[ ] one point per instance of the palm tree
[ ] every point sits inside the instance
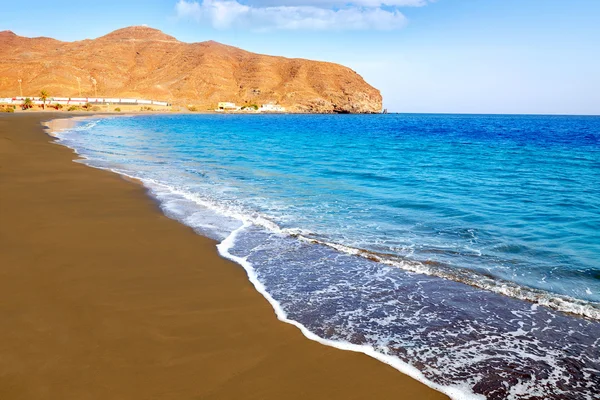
(44, 95)
(27, 104)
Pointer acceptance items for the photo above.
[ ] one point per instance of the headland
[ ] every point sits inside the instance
(143, 63)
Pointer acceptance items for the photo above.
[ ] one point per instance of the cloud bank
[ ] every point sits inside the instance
(317, 15)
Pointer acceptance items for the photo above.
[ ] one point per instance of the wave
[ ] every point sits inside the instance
(454, 392)
(557, 302)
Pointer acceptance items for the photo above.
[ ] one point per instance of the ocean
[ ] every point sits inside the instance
(463, 250)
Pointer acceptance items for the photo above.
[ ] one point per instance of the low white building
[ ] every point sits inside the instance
(227, 106)
(271, 108)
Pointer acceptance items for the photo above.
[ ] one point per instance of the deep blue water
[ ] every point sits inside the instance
(453, 244)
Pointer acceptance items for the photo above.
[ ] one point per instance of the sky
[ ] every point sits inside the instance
(426, 56)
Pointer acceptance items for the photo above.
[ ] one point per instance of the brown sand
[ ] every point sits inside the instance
(103, 297)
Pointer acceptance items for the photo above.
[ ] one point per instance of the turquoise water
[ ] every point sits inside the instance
(451, 246)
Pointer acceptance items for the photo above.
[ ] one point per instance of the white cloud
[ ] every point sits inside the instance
(338, 3)
(260, 15)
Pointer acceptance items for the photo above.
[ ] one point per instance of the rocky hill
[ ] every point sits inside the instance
(146, 63)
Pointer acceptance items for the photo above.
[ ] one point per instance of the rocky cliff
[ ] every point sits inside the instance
(146, 63)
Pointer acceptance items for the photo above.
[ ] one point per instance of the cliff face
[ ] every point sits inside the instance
(146, 63)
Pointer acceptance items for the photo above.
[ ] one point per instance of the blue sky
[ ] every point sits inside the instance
(465, 56)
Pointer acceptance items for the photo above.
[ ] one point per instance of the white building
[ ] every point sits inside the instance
(227, 106)
(271, 108)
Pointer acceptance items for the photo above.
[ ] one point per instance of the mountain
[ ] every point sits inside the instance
(142, 62)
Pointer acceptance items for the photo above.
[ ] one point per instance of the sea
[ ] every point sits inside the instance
(463, 250)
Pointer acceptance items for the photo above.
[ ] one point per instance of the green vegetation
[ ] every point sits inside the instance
(88, 106)
(27, 104)
(44, 96)
(74, 108)
(58, 106)
(8, 109)
(146, 109)
(192, 108)
(96, 108)
(117, 109)
(250, 107)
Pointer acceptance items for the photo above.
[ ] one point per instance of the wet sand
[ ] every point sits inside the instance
(104, 297)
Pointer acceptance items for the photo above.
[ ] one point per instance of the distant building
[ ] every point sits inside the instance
(227, 106)
(271, 108)
(84, 100)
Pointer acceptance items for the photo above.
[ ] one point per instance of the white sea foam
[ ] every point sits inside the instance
(454, 392)
(555, 301)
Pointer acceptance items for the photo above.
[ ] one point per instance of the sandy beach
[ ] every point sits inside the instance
(104, 297)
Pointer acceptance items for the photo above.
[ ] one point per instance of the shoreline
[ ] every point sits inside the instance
(59, 124)
(133, 304)
(558, 302)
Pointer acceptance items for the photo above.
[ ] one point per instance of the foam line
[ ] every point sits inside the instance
(454, 392)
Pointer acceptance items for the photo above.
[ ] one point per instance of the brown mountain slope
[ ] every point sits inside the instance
(146, 63)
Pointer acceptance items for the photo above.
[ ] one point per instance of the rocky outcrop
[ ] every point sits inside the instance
(146, 63)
